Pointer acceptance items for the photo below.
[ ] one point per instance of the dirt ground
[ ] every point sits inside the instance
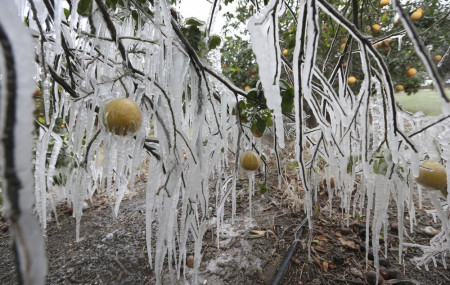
(251, 250)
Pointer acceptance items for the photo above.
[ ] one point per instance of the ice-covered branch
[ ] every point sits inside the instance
(15, 129)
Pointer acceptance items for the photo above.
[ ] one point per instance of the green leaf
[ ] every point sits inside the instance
(241, 105)
(214, 42)
(262, 188)
(380, 166)
(287, 100)
(66, 13)
(291, 43)
(283, 85)
(194, 22)
(135, 15)
(193, 35)
(258, 127)
(41, 120)
(85, 8)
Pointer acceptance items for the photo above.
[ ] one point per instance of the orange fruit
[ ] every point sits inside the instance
(122, 116)
(351, 80)
(411, 72)
(190, 261)
(249, 160)
(384, 2)
(416, 15)
(285, 52)
(37, 93)
(388, 41)
(399, 88)
(433, 176)
(376, 28)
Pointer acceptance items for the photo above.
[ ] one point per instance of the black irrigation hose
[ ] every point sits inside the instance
(287, 258)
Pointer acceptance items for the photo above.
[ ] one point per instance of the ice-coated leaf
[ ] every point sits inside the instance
(85, 7)
(194, 22)
(214, 42)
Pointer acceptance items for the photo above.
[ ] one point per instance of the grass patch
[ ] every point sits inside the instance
(427, 101)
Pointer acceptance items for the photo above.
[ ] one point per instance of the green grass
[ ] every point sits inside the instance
(426, 101)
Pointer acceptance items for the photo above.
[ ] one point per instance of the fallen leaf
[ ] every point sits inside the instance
(338, 235)
(354, 271)
(430, 231)
(256, 232)
(348, 244)
(320, 249)
(322, 238)
(325, 266)
(317, 262)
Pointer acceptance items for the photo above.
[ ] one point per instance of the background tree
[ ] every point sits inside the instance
(390, 39)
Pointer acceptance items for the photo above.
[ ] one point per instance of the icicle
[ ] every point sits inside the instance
(251, 189)
(263, 29)
(16, 163)
(58, 13)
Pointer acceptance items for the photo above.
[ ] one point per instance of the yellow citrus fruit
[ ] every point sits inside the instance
(249, 160)
(190, 261)
(437, 58)
(285, 52)
(351, 80)
(416, 15)
(411, 72)
(247, 88)
(388, 41)
(376, 28)
(37, 93)
(384, 2)
(122, 116)
(432, 175)
(399, 88)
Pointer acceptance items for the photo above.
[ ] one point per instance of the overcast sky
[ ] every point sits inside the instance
(200, 9)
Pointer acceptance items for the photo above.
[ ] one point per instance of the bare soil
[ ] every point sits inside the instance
(251, 250)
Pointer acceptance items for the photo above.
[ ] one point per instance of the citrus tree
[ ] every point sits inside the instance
(128, 87)
(377, 20)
